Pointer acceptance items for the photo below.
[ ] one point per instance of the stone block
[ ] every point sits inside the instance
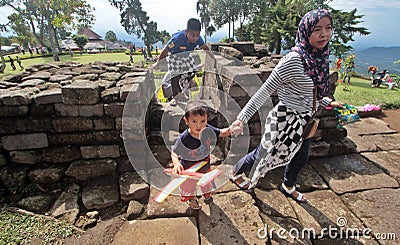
(18, 97)
(350, 173)
(327, 122)
(51, 96)
(91, 110)
(100, 151)
(13, 111)
(105, 84)
(111, 95)
(107, 137)
(44, 75)
(46, 174)
(131, 92)
(133, 187)
(66, 110)
(61, 154)
(379, 211)
(104, 123)
(159, 231)
(247, 48)
(83, 138)
(83, 170)
(25, 141)
(90, 77)
(42, 110)
(25, 157)
(241, 75)
(66, 207)
(387, 160)
(72, 124)
(111, 76)
(38, 204)
(81, 93)
(114, 109)
(60, 78)
(100, 193)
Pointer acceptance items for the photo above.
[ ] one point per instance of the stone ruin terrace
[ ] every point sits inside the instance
(61, 138)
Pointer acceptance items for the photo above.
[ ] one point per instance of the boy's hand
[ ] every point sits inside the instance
(178, 169)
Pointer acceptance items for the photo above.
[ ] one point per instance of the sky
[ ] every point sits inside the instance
(381, 18)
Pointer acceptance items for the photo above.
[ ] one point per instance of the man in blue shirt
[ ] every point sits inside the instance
(182, 41)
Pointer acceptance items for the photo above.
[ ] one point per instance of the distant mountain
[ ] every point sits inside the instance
(381, 57)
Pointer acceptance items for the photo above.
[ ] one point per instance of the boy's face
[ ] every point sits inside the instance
(192, 36)
(196, 123)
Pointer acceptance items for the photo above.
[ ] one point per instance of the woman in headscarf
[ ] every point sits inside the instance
(300, 76)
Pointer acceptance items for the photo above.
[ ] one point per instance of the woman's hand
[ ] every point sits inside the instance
(337, 104)
(236, 128)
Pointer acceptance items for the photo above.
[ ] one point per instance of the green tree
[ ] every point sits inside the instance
(21, 28)
(48, 16)
(110, 36)
(3, 27)
(80, 40)
(135, 21)
(164, 37)
(203, 10)
(346, 25)
(220, 14)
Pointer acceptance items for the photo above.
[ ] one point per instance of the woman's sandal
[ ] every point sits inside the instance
(239, 181)
(289, 193)
(194, 204)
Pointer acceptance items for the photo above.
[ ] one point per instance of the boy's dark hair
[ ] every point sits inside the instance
(193, 25)
(195, 108)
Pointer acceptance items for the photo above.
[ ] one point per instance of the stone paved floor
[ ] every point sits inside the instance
(348, 195)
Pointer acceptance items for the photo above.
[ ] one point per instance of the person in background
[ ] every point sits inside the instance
(12, 63)
(19, 63)
(349, 66)
(299, 76)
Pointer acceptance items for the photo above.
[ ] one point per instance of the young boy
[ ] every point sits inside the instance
(193, 146)
(182, 41)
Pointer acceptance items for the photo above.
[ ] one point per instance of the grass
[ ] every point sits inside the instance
(359, 93)
(18, 228)
(83, 59)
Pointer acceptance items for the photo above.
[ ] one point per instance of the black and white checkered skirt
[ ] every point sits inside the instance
(182, 64)
(281, 140)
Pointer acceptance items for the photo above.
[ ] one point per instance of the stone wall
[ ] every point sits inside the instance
(60, 129)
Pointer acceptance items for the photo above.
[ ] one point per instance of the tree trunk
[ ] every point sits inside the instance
(54, 49)
(278, 44)
(233, 30)
(56, 38)
(229, 32)
(40, 40)
(149, 51)
(3, 62)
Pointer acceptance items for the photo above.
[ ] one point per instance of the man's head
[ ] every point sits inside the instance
(193, 29)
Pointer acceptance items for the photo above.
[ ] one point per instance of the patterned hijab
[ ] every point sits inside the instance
(315, 61)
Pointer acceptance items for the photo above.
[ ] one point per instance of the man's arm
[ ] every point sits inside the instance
(208, 51)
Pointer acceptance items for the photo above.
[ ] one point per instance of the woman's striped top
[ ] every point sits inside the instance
(294, 87)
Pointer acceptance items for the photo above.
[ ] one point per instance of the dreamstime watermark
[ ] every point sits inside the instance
(339, 232)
